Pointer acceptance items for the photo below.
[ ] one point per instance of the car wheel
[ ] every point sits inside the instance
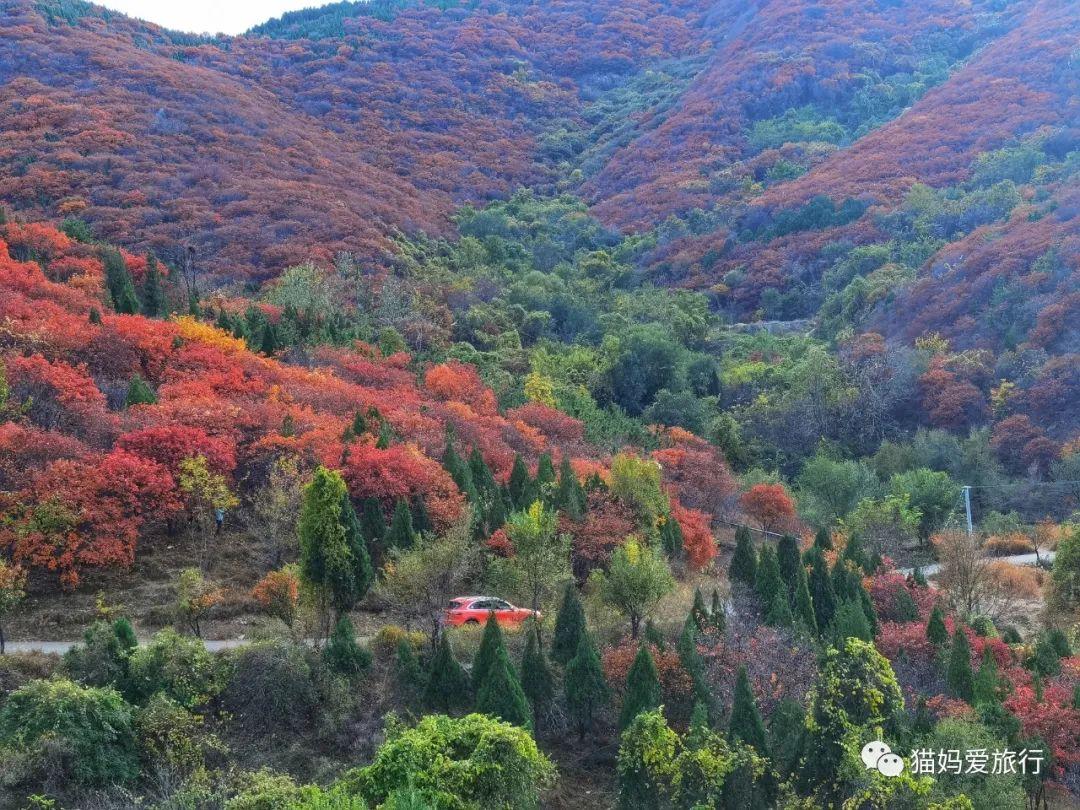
(471, 621)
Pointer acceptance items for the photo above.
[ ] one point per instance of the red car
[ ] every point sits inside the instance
(476, 609)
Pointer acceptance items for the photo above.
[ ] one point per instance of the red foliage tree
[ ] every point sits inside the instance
(769, 505)
(698, 541)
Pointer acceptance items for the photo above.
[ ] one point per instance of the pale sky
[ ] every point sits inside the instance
(207, 16)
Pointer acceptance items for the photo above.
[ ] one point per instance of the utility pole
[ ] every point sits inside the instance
(967, 509)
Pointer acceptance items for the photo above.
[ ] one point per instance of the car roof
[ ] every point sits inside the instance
(473, 598)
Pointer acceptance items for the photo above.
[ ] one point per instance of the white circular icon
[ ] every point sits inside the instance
(872, 752)
(890, 764)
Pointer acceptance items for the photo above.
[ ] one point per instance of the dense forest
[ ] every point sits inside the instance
(735, 343)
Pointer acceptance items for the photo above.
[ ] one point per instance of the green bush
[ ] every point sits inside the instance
(266, 790)
(92, 726)
(102, 658)
(177, 665)
(272, 687)
(172, 739)
(473, 761)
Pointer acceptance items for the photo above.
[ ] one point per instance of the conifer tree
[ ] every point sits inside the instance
(671, 538)
(743, 566)
(420, 517)
(153, 299)
(779, 612)
(958, 676)
(867, 605)
(482, 478)
(987, 682)
(536, 679)
(918, 577)
(849, 621)
(459, 470)
(545, 477)
(823, 539)
(500, 695)
(139, 393)
(936, 632)
(768, 581)
(119, 284)
(804, 604)
(386, 435)
(856, 554)
(522, 489)
(905, 607)
(363, 573)
(569, 496)
(652, 635)
(410, 676)
(268, 342)
(691, 661)
(584, 685)
(699, 611)
(746, 724)
(698, 733)
(400, 534)
(821, 591)
(569, 627)
(718, 613)
(447, 687)
(642, 688)
(790, 561)
(342, 654)
(491, 645)
(372, 523)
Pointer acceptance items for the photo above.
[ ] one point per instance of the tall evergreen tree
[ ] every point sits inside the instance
(823, 539)
(500, 695)
(790, 561)
(718, 613)
(671, 538)
(743, 566)
(849, 621)
(642, 688)
(139, 393)
(119, 284)
(153, 298)
(522, 488)
(919, 578)
(699, 611)
(584, 685)
(372, 523)
(545, 477)
(342, 654)
(482, 478)
(491, 645)
(363, 573)
(569, 496)
(936, 632)
(987, 681)
(268, 340)
(569, 626)
(420, 517)
(746, 724)
(804, 604)
(778, 613)
(410, 676)
(768, 582)
(401, 534)
(536, 679)
(447, 687)
(958, 676)
(459, 470)
(691, 661)
(821, 591)
(386, 435)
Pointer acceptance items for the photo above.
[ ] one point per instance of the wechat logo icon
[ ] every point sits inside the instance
(877, 756)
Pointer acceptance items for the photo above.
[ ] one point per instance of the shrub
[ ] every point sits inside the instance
(388, 639)
(272, 687)
(342, 654)
(179, 666)
(92, 725)
(266, 790)
(473, 761)
(102, 658)
(172, 739)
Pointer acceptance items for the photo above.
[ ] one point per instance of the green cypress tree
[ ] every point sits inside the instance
(359, 424)
(904, 606)
(522, 489)
(363, 573)
(500, 694)
(342, 654)
(768, 582)
(743, 568)
(420, 518)
(652, 635)
(642, 688)
(804, 604)
(845, 581)
(491, 644)
(919, 578)
(125, 634)
(699, 732)
(447, 687)
(482, 478)
(936, 632)
(569, 627)
(987, 682)
(401, 534)
(372, 524)
(823, 539)
(746, 724)
(821, 591)
(119, 284)
(671, 538)
(536, 679)
(545, 477)
(867, 605)
(790, 561)
(386, 435)
(268, 342)
(856, 554)
(779, 612)
(410, 676)
(569, 496)
(958, 676)
(849, 621)
(95, 316)
(718, 613)
(153, 303)
(139, 393)
(691, 661)
(459, 471)
(584, 685)
(1059, 641)
(1046, 660)
(699, 611)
